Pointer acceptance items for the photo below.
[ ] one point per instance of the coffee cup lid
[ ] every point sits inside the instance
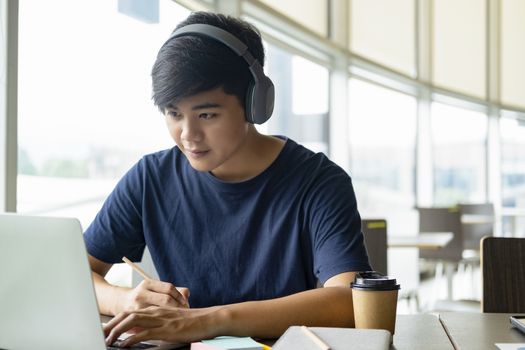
(373, 280)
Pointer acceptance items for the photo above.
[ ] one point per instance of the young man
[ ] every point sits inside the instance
(249, 224)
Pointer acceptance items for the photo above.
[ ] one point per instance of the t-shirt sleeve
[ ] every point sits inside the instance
(335, 226)
(117, 230)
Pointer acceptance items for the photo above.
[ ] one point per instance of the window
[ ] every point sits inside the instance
(459, 153)
(382, 136)
(512, 133)
(301, 105)
(382, 146)
(85, 113)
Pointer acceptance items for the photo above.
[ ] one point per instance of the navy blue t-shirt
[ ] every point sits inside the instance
(276, 234)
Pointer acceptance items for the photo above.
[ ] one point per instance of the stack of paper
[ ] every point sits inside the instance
(230, 343)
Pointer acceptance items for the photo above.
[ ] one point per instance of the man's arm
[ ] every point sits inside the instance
(108, 295)
(114, 299)
(330, 307)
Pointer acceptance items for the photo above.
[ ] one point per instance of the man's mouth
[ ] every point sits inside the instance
(195, 153)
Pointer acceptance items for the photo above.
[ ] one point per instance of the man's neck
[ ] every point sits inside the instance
(259, 152)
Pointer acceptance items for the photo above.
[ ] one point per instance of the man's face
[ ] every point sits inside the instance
(209, 128)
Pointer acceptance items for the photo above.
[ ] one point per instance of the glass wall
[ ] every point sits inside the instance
(301, 105)
(382, 139)
(512, 131)
(459, 151)
(85, 113)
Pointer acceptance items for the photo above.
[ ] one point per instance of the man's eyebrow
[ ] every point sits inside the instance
(199, 106)
(206, 105)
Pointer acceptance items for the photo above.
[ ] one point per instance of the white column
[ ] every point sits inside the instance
(8, 103)
(493, 94)
(424, 171)
(338, 122)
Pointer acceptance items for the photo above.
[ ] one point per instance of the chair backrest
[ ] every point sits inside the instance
(503, 274)
(374, 232)
(444, 219)
(477, 221)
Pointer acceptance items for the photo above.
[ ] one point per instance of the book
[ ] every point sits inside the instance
(336, 338)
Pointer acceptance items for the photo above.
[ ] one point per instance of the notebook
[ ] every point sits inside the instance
(229, 343)
(47, 298)
(336, 338)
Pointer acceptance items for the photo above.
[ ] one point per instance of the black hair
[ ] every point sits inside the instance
(192, 64)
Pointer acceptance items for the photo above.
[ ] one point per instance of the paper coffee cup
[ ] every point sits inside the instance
(375, 301)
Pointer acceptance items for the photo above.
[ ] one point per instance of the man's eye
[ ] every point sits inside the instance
(173, 114)
(207, 115)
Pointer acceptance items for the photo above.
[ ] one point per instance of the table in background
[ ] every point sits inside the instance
(479, 331)
(427, 240)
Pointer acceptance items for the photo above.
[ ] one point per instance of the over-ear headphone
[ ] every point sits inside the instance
(261, 93)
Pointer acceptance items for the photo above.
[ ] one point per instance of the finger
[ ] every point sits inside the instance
(132, 320)
(168, 289)
(114, 321)
(147, 334)
(185, 292)
(151, 298)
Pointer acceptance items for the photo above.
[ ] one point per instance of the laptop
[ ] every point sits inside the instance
(47, 298)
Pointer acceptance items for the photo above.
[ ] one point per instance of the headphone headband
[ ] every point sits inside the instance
(260, 94)
(213, 32)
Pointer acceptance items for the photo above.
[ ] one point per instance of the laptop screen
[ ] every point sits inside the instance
(47, 299)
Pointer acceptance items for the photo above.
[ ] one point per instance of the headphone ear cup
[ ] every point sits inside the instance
(268, 99)
(249, 111)
(260, 101)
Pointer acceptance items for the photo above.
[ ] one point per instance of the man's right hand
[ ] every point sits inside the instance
(154, 293)
(114, 299)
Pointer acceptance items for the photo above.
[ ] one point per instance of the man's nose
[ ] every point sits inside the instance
(191, 130)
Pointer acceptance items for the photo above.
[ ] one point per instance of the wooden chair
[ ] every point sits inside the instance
(374, 232)
(445, 219)
(442, 219)
(477, 221)
(503, 274)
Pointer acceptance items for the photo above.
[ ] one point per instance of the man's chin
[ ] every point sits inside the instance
(201, 167)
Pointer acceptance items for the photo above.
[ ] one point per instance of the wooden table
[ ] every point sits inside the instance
(420, 332)
(479, 331)
(412, 332)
